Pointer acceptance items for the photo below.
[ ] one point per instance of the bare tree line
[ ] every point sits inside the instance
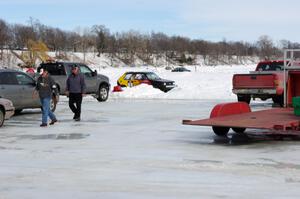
(131, 44)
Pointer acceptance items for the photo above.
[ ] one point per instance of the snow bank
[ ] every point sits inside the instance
(204, 82)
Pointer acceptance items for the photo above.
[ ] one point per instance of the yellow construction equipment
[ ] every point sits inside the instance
(35, 50)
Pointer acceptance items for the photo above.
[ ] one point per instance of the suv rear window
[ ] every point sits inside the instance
(54, 68)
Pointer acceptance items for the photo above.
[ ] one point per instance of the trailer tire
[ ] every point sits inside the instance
(239, 130)
(220, 131)
(244, 98)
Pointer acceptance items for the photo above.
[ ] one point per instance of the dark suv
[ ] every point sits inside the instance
(96, 84)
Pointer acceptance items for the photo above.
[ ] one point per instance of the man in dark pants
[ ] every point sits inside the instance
(75, 89)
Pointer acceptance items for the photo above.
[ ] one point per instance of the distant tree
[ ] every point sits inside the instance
(21, 35)
(160, 42)
(4, 36)
(180, 44)
(266, 47)
(189, 60)
(102, 37)
(72, 43)
(86, 41)
(182, 59)
(131, 44)
(201, 47)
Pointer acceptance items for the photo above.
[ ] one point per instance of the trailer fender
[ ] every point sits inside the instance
(231, 108)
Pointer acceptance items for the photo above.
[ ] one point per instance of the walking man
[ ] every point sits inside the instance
(75, 89)
(45, 87)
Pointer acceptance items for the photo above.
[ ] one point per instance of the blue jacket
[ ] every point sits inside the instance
(75, 83)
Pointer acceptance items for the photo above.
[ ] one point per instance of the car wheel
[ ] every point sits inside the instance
(53, 103)
(18, 111)
(1, 117)
(103, 93)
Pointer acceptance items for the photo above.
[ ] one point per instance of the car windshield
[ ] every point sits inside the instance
(152, 76)
(128, 76)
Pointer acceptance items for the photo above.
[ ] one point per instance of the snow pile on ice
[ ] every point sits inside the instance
(203, 82)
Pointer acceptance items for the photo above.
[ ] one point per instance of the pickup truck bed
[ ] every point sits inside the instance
(249, 81)
(264, 83)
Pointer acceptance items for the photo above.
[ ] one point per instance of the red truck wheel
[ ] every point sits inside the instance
(278, 99)
(244, 98)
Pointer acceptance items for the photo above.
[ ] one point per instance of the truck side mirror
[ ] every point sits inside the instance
(95, 73)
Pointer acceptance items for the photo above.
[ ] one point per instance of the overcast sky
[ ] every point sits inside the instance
(214, 20)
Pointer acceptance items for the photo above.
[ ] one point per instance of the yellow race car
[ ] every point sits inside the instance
(130, 79)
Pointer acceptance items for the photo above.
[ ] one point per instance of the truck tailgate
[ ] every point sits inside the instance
(254, 81)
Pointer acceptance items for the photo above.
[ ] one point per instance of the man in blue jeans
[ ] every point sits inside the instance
(45, 86)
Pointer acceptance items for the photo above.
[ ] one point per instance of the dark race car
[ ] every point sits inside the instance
(180, 69)
(130, 79)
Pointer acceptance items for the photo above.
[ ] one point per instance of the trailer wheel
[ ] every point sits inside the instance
(244, 98)
(239, 130)
(220, 131)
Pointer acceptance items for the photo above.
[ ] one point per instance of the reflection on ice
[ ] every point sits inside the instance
(62, 136)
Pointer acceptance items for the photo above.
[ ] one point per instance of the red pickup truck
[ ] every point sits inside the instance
(264, 83)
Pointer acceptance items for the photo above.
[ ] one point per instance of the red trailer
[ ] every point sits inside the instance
(275, 121)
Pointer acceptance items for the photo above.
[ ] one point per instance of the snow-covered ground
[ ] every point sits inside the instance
(203, 82)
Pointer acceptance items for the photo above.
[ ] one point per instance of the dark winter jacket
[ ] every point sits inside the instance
(75, 84)
(45, 86)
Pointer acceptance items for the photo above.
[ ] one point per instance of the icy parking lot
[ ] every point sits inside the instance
(139, 149)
